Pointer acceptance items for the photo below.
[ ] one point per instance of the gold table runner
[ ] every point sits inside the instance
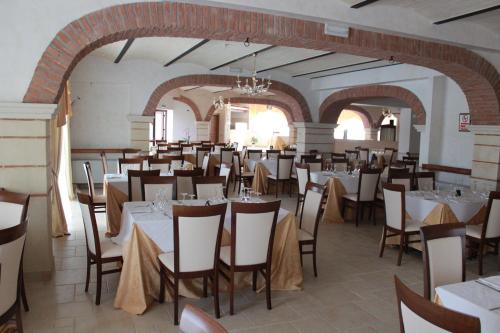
(259, 183)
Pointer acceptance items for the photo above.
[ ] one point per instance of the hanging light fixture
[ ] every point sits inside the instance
(256, 86)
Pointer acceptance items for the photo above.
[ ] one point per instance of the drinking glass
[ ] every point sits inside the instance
(192, 196)
(184, 196)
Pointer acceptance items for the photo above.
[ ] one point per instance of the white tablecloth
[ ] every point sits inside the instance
(159, 226)
(350, 182)
(419, 204)
(473, 299)
(270, 165)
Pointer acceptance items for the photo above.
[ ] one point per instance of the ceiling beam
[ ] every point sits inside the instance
(339, 67)
(243, 57)
(363, 3)
(459, 17)
(185, 53)
(124, 50)
(222, 90)
(356, 70)
(296, 62)
(193, 88)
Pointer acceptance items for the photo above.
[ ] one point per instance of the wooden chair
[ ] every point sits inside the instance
(134, 183)
(366, 195)
(130, 153)
(197, 238)
(204, 165)
(315, 164)
(125, 164)
(303, 177)
(340, 165)
(306, 157)
(200, 154)
(186, 148)
(254, 154)
(225, 171)
(290, 151)
(443, 255)
(309, 220)
(364, 155)
(426, 181)
(104, 162)
(417, 314)
(218, 146)
(240, 176)
(251, 250)
(185, 180)
(487, 233)
(151, 185)
(273, 154)
(176, 162)
(206, 188)
(338, 156)
(159, 164)
(12, 240)
(172, 151)
(226, 156)
(395, 219)
(352, 155)
(402, 179)
(194, 320)
(283, 173)
(394, 172)
(98, 252)
(98, 199)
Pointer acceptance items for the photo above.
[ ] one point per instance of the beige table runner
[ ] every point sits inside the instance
(259, 183)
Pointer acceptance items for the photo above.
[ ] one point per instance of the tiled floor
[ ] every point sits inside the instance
(354, 291)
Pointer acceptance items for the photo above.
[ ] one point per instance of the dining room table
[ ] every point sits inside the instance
(478, 298)
(261, 169)
(146, 231)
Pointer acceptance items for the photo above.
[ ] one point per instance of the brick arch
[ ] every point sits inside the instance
(478, 79)
(255, 100)
(331, 107)
(189, 102)
(365, 115)
(297, 104)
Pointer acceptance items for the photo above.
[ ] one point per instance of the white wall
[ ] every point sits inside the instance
(183, 121)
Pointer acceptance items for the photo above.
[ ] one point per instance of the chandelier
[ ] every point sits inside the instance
(255, 87)
(386, 112)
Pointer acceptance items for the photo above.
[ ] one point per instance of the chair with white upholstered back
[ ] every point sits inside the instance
(254, 154)
(197, 236)
(185, 180)
(303, 177)
(272, 154)
(194, 320)
(159, 164)
(417, 314)
(426, 181)
(396, 223)
(364, 154)
(240, 175)
(487, 233)
(200, 156)
(130, 153)
(204, 165)
(404, 180)
(315, 164)
(289, 151)
(12, 239)
(98, 199)
(125, 164)
(134, 183)
(151, 185)
(443, 255)
(283, 173)
(309, 220)
(99, 251)
(339, 164)
(225, 171)
(210, 187)
(252, 237)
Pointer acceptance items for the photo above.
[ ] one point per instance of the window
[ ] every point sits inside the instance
(350, 126)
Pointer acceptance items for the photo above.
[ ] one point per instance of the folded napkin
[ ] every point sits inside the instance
(492, 282)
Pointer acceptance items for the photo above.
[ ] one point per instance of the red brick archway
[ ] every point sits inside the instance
(189, 102)
(297, 105)
(477, 78)
(255, 100)
(365, 115)
(333, 105)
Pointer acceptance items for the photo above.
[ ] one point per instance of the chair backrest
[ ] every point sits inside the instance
(315, 164)
(159, 164)
(130, 153)
(272, 154)
(218, 147)
(197, 235)
(104, 162)
(207, 188)
(194, 320)
(368, 182)
(11, 253)
(417, 314)
(89, 224)
(303, 176)
(185, 180)
(134, 183)
(151, 185)
(90, 178)
(186, 148)
(13, 208)
(340, 164)
(392, 172)
(307, 157)
(237, 163)
(352, 154)
(443, 254)
(284, 166)
(173, 145)
(426, 181)
(162, 146)
(252, 232)
(125, 164)
(394, 201)
(364, 154)
(338, 156)
(225, 171)
(290, 151)
(404, 180)
(226, 155)
(176, 162)
(254, 154)
(174, 151)
(204, 165)
(491, 227)
(200, 154)
(311, 209)
(411, 165)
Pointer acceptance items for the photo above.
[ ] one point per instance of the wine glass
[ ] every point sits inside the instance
(192, 196)
(183, 196)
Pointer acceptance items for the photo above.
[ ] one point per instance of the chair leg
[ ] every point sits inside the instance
(382, 242)
(23, 294)
(300, 249)
(343, 208)
(205, 286)
(268, 287)
(215, 292)
(254, 280)
(176, 301)
(298, 203)
(239, 185)
(161, 297)
(357, 214)
(314, 261)
(88, 275)
(401, 248)
(99, 283)
(19, 321)
(231, 293)
(480, 257)
(277, 187)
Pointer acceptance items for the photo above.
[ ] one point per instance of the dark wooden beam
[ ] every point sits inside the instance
(196, 87)
(124, 50)
(296, 62)
(477, 12)
(222, 90)
(339, 67)
(243, 57)
(356, 70)
(363, 3)
(185, 53)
